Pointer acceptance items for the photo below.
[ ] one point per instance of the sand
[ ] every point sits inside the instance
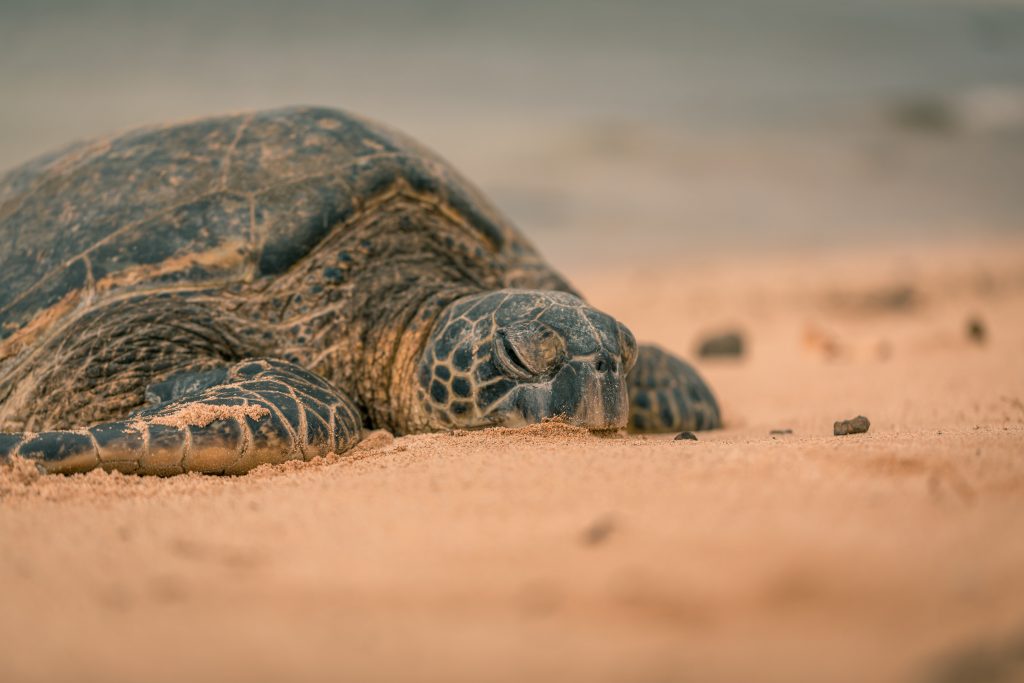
(550, 553)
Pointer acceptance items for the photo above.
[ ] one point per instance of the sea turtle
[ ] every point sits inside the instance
(212, 295)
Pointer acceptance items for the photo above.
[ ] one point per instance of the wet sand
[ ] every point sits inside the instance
(553, 554)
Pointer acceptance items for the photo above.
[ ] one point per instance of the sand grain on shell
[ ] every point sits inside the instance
(202, 414)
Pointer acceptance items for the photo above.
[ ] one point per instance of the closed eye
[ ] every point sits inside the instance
(508, 358)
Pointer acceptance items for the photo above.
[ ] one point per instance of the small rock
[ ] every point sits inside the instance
(780, 432)
(685, 436)
(976, 331)
(599, 531)
(857, 425)
(728, 344)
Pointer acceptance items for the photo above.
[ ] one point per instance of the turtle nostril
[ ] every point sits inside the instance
(603, 366)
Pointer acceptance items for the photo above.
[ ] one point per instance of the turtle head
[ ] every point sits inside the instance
(515, 357)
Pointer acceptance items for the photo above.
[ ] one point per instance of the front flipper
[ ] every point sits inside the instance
(263, 411)
(183, 384)
(667, 395)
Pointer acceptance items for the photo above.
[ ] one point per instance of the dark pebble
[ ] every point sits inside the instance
(685, 436)
(780, 432)
(976, 331)
(598, 531)
(857, 425)
(729, 344)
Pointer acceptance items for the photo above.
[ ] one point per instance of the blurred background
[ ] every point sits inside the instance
(648, 130)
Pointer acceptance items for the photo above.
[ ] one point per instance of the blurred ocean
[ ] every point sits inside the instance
(658, 127)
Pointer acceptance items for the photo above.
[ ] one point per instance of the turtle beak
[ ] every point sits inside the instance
(591, 395)
(585, 393)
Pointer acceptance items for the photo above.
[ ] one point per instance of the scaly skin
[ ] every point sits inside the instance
(264, 411)
(514, 357)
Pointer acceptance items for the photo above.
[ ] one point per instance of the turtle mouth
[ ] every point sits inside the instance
(579, 394)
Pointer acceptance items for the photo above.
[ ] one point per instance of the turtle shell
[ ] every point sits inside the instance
(211, 203)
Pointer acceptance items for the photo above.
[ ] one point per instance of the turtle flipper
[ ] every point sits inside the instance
(182, 384)
(264, 411)
(667, 395)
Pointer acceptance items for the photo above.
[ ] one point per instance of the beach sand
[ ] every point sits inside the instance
(553, 554)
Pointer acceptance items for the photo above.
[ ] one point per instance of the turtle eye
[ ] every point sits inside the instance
(508, 359)
(529, 349)
(627, 343)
